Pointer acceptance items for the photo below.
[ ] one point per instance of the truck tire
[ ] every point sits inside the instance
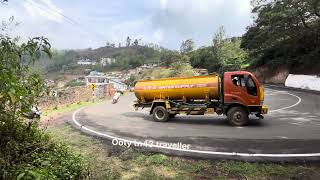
(160, 114)
(238, 116)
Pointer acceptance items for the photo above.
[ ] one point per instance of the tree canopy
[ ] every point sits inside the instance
(284, 32)
(187, 46)
(225, 54)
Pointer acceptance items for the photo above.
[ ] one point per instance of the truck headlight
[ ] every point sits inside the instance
(261, 89)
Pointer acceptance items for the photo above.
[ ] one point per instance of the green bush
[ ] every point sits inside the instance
(74, 83)
(27, 152)
(43, 159)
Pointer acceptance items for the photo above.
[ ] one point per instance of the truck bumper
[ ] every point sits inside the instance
(264, 109)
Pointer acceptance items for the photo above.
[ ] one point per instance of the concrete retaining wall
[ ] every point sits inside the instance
(303, 82)
(276, 76)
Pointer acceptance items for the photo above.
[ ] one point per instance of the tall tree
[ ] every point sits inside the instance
(187, 46)
(128, 41)
(284, 32)
(136, 42)
(219, 36)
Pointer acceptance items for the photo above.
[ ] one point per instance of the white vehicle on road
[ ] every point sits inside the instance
(116, 97)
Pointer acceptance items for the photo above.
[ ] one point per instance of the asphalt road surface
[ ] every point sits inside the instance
(291, 127)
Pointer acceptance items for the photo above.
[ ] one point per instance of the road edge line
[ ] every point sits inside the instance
(192, 150)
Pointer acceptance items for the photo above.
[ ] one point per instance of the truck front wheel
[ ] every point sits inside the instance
(160, 114)
(238, 116)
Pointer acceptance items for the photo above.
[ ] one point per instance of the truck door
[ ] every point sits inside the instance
(252, 91)
(238, 88)
(241, 88)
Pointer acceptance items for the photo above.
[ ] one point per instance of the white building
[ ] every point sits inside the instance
(86, 62)
(105, 61)
(96, 78)
(117, 84)
(148, 66)
(101, 79)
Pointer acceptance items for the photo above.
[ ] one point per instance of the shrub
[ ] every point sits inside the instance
(26, 152)
(74, 83)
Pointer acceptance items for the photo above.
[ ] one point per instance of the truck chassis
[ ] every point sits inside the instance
(237, 114)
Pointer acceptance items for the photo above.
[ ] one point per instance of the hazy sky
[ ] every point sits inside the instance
(83, 24)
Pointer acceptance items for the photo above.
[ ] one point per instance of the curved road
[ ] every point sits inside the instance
(291, 127)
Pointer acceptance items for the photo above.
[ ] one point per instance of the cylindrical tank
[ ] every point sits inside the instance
(197, 87)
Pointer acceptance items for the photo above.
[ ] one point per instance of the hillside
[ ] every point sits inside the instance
(148, 53)
(65, 61)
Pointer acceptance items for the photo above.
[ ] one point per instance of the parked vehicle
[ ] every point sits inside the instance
(235, 94)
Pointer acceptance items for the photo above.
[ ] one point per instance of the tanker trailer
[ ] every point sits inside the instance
(235, 94)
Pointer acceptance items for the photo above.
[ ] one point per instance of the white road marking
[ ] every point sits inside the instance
(192, 150)
(287, 107)
(282, 137)
(299, 123)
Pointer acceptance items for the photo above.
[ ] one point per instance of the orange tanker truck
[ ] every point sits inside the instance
(235, 94)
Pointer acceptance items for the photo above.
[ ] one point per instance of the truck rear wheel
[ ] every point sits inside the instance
(160, 114)
(238, 116)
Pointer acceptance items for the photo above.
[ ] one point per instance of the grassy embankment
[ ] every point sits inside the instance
(68, 108)
(111, 162)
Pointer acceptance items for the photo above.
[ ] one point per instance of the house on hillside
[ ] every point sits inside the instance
(148, 66)
(86, 62)
(92, 79)
(117, 83)
(101, 79)
(107, 61)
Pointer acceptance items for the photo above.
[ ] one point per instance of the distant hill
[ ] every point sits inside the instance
(96, 54)
(65, 61)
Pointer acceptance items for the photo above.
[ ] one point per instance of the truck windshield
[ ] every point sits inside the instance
(251, 86)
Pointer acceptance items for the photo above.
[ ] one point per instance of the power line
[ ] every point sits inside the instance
(69, 19)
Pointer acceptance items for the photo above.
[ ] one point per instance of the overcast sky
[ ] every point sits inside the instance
(83, 24)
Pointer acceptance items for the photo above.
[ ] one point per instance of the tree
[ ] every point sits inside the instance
(19, 88)
(227, 52)
(5, 27)
(219, 37)
(231, 55)
(60, 59)
(131, 81)
(187, 46)
(181, 68)
(168, 57)
(136, 43)
(205, 58)
(128, 41)
(284, 32)
(25, 148)
(3, 1)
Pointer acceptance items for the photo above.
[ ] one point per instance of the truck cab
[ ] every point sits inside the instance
(242, 90)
